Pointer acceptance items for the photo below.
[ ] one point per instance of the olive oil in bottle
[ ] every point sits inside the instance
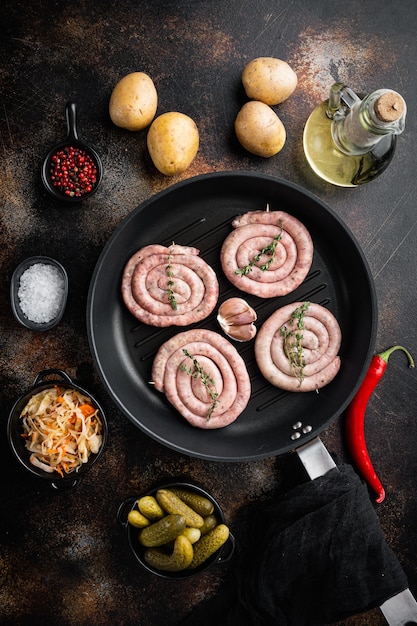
(349, 141)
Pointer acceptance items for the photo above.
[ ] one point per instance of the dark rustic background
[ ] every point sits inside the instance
(63, 558)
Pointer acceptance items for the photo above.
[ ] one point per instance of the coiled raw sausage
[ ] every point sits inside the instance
(169, 286)
(203, 377)
(297, 347)
(268, 254)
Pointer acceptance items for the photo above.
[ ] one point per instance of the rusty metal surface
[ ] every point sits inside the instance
(63, 558)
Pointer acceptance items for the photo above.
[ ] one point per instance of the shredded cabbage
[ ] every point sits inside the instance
(61, 428)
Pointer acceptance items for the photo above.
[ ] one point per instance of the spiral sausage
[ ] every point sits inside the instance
(317, 362)
(211, 389)
(287, 266)
(169, 286)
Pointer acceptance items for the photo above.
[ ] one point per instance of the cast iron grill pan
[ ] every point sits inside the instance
(198, 212)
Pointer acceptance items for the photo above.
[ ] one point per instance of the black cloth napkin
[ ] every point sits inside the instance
(315, 556)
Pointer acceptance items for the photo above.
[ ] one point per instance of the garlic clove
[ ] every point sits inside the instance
(236, 318)
(244, 332)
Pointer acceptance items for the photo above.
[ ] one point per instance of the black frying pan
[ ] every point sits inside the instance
(199, 212)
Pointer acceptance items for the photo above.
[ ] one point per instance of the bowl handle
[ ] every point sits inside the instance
(40, 377)
(66, 484)
(229, 549)
(71, 115)
(123, 509)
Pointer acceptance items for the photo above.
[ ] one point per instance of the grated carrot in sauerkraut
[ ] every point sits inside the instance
(61, 428)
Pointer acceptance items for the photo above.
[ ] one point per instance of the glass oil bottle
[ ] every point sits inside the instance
(349, 141)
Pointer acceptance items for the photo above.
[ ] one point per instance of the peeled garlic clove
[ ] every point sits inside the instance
(244, 332)
(236, 318)
(237, 311)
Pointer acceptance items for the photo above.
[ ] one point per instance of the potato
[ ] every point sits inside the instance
(269, 80)
(133, 102)
(173, 142)
(259, 129)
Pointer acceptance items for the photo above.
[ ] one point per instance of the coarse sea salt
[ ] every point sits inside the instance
(41, 292)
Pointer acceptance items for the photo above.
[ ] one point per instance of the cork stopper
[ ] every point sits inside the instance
(389, 107)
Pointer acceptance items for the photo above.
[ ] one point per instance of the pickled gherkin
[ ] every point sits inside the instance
(174, 505)
(135, 518)
(209, 523)
(209, 544)
(163, 531)
(150, 508)
(200, 504)
(180, 558)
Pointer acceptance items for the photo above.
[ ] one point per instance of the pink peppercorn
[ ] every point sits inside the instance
(73, 172)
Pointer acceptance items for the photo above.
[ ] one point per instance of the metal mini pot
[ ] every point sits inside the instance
(71, 140)
(17, 443)
(14, 291)
(222, 555)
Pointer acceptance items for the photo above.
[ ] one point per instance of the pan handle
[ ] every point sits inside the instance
(315, 458)
(401, 609)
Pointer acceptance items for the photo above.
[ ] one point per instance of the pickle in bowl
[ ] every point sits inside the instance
(177, 530)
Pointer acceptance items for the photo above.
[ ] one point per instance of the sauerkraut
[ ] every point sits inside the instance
(61, 428)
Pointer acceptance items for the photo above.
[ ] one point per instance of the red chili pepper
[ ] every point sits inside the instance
(355, 419)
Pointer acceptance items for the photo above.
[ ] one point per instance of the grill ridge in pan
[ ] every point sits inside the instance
(199, 212)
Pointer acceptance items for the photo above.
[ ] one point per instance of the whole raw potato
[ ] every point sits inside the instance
(133, 102)
(269, 80)
(173, 141)
(259, 129)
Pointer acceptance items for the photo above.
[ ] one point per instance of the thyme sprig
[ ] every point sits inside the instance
(198, 372)
(270, 250)
(171, 284)
(293, 341)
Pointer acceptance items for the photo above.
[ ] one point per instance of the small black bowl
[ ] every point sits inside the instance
(17, 443)
(222, 555)
(14, 290)
(71, 140)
